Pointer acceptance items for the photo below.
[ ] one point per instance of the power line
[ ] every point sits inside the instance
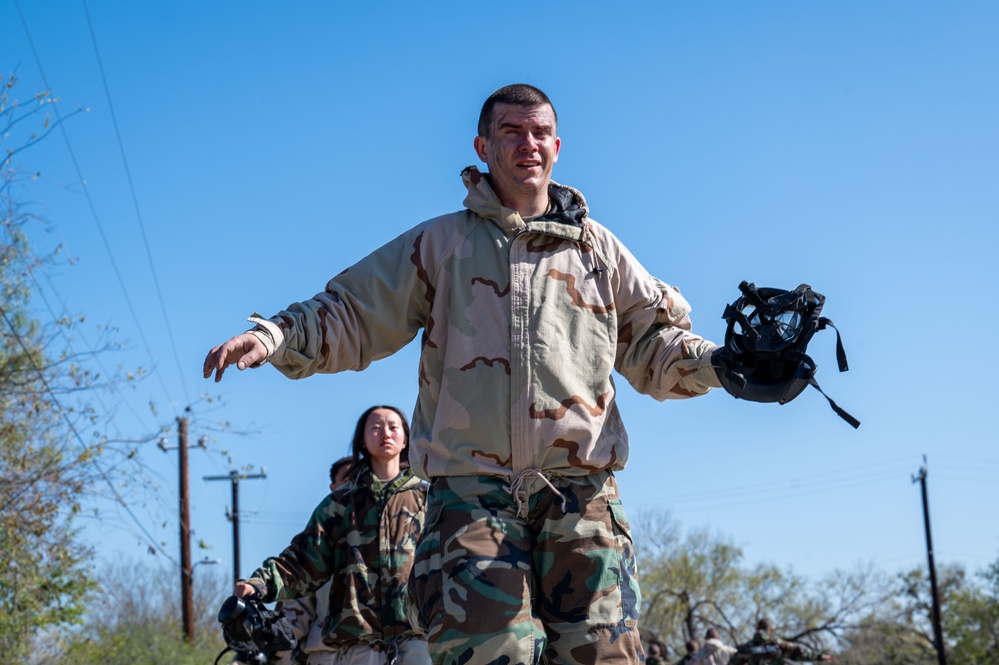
(978, 480)
(810, 483)
(135, 203)
(65, 416)
(96, 217)
(69, 344)
(783, 494)
(234, 477)
(114, 492)
(977, 461)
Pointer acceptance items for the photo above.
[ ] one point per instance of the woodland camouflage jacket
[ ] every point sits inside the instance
(522, 324)
(362, 537)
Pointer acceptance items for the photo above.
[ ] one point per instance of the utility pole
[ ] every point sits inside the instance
(937, 628)
(186, 586)
(234, 477)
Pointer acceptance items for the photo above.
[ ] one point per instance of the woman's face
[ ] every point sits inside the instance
(384, 436)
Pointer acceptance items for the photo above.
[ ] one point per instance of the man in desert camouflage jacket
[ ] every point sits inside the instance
(526, 305)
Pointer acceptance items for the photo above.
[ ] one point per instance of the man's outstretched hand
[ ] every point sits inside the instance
(243, 351)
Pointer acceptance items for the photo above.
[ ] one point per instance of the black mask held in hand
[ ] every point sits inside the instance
(252, 631)
(764, 357)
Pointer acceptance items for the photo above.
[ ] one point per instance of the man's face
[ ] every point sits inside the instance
(521, 149)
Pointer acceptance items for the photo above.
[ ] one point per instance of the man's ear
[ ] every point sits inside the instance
(480, 148)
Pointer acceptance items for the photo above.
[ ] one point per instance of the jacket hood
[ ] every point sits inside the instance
(567, 204)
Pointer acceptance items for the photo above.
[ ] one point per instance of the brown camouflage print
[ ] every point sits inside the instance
(523, 325)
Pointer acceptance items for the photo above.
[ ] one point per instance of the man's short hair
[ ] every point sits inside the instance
(764, 624)
(517, 94)
(712, 634)
(339, 464)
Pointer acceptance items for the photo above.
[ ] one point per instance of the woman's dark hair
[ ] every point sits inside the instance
(360, 453)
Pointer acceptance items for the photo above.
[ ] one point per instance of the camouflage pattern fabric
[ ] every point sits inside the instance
(307, 616)
(412, 651)
(362, 538)
(764, 649)
(507, 578)
(522, 325)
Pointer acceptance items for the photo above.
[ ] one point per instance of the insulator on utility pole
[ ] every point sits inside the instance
(937, 627)
(234, 477)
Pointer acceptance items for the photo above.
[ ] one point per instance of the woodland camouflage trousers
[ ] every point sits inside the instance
(540, 569)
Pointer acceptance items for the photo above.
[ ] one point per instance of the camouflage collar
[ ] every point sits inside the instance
(568, 206)
(405, 480)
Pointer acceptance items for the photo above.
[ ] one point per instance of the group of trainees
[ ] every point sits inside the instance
(346, 573)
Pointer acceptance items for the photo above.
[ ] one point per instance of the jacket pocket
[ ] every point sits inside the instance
(619, 518)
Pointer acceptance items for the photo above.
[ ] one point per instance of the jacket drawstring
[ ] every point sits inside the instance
(517, 482)
(392, 651)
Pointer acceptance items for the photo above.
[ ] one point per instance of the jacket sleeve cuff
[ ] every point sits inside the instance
(701, 376)
(259, 586)
(268, 333)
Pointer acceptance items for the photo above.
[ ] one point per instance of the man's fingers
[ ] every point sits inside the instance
(220, 357)
(243, 590)
(210, 361)
(243, 351)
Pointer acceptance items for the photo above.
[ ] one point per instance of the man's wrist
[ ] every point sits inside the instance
(269, 334)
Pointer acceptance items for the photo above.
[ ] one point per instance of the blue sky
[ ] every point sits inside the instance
(260, 149)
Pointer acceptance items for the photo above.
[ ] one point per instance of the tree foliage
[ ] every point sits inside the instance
(54, 457)
(969, 611)
(136, 620)
(696, 580)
